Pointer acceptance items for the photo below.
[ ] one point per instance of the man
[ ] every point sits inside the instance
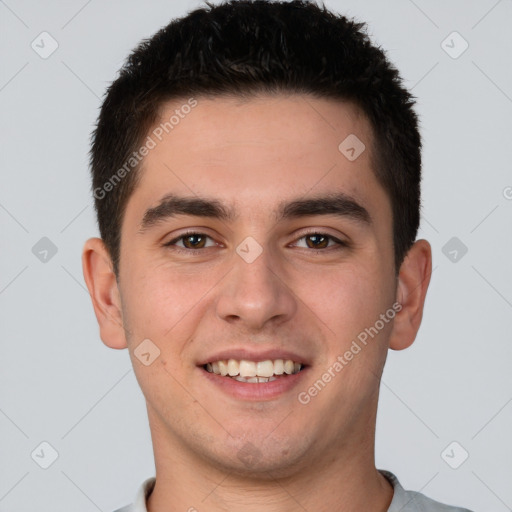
(256, 171)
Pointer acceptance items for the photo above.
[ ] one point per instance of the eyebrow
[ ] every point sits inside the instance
(171, 205)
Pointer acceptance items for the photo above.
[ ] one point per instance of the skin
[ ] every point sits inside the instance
(252, 155)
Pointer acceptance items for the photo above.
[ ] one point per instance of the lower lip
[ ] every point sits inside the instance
(255, 391)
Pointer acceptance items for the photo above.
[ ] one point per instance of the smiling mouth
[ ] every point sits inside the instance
(254, 372)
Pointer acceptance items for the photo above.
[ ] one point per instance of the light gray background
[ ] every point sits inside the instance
(60, 384)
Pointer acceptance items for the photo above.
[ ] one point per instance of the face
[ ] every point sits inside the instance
(252, 237)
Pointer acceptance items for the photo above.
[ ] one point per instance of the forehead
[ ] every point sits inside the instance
(222, 128)
(259, 151)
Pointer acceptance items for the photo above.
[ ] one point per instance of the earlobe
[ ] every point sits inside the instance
(103, 289)
(413, 281)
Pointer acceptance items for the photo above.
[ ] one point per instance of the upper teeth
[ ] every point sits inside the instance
(244, 368)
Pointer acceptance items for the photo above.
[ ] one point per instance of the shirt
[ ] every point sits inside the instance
(403, 501)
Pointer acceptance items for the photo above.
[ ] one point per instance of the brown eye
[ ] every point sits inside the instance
(317, 241)
(194, 241)
(191, 241)
(320, 241)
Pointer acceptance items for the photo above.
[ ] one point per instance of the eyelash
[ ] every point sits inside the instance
(340, 244)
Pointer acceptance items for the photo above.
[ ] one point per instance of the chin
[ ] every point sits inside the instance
(262, 458)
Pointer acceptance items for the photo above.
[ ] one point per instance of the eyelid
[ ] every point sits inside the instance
(338, 241)
(190, 232)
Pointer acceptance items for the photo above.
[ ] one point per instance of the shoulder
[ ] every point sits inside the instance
(128, 508)
(412, 501)
(420, 503)
(139, 503)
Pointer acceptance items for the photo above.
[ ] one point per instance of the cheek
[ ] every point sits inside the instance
(349, 305)
(348, 299)
(165, 305)
(158, 294)
(160, 308)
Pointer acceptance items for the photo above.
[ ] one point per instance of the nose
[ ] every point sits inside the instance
(255, 294)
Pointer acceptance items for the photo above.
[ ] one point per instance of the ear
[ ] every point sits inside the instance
(413, 281)
(103, 289)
